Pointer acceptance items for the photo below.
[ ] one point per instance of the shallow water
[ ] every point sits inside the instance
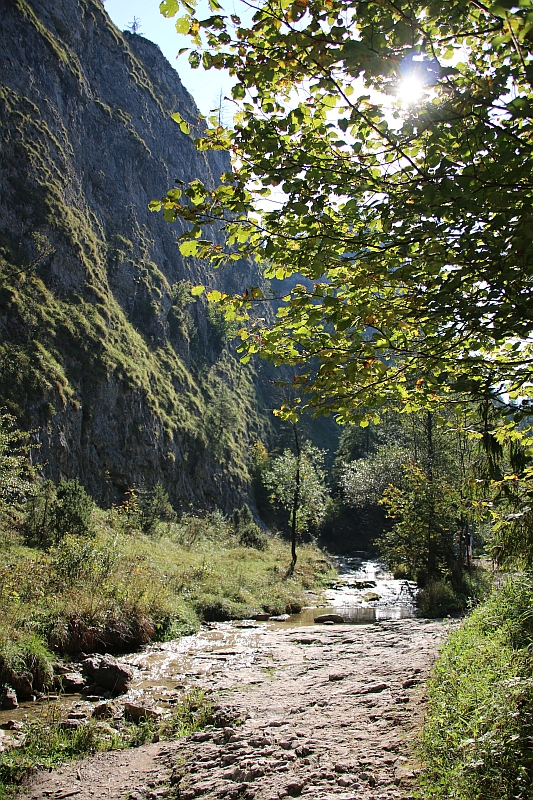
(164, 671)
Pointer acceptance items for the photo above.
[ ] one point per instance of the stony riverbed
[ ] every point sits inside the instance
(321, 712)
(306, 710)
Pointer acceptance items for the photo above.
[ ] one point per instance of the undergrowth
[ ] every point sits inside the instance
(441, 598)
(478, 736)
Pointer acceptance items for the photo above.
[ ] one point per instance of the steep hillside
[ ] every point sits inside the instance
(102, 353)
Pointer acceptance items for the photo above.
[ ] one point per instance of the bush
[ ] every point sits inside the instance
(76, 559)
(72, 511)
(245, 528)
(17, 475)
(221, 609)
(464, 591)
(478, 736)
(155, 507)
(25, 662)
(39, 515)
(251, 536)
(438, 599)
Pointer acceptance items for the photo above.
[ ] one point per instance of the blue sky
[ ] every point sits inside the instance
(205, 87)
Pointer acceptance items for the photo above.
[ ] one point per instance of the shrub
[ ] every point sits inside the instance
(155, 507)
(76, 559)
(461, 592)
(17, 475)
(438, 599)
(245, 528)
(39, 515)
(241, 518)
(251, 536)
(25, 662)
(221, 609)
(72, 510)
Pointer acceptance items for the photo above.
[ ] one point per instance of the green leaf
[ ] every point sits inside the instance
(169, 8)
(196, 291)
(238, 91)
(183, 25)
(184, 127)
(188, 248)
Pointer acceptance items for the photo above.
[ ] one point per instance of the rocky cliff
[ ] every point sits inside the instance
(102, 353)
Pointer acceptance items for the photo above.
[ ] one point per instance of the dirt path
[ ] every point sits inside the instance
(329, 712)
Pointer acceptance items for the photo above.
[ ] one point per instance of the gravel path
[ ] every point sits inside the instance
(328, 712)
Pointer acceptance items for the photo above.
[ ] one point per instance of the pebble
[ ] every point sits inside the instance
(375, 688)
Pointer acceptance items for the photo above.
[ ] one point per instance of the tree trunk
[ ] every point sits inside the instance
(295, 501)
(431, 565)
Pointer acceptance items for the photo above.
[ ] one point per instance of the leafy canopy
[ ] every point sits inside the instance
(306, 474)
(406, 228)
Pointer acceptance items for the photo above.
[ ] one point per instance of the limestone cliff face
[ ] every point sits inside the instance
(102, 353)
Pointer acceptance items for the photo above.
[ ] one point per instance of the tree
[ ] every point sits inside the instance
(135, 26)
(297, 483)
(364, 480)
(72, 511)
(155, 506)
(408, 225)
(428, 481)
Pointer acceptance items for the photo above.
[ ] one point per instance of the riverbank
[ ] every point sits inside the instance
(119, 589)
(325, 712)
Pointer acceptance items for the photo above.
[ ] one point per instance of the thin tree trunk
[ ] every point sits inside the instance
(431, 567)
(295, 500)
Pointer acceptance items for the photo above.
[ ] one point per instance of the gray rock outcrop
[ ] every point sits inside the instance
(102, 352)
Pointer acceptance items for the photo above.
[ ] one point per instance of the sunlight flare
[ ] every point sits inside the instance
(410, 90)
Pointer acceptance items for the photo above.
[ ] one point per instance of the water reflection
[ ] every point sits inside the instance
(365, 593)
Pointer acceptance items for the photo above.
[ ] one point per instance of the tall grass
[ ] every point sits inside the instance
(478, 737)
(120, 588)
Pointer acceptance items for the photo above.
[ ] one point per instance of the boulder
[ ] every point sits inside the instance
(295, 788)
(370, 597)
(71, 724)
(108, 673)
(410, 682)
(329, 618)
(90, 665)
(72, 682)
(12, 725)
(105, 710)
(9, 700)
(136, 712)
(23, 684)
(375, 688)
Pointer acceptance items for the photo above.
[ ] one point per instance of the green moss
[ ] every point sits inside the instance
(59, 344)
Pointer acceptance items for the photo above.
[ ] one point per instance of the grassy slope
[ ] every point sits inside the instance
(478, 738)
